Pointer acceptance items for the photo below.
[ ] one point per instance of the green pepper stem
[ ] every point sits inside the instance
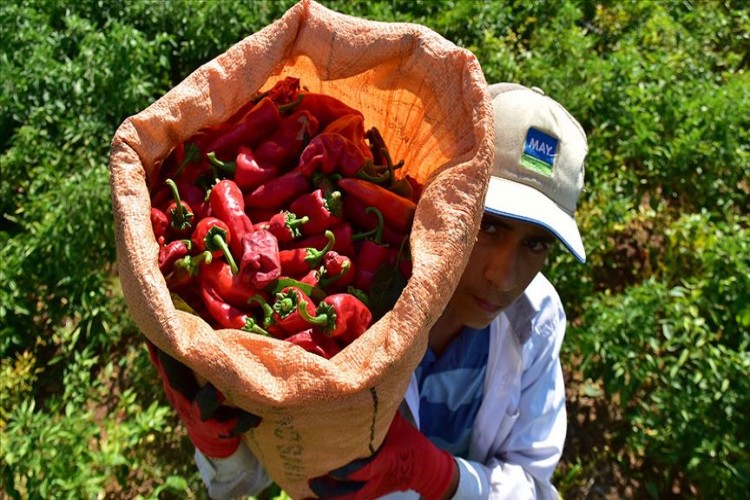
(259, 96)
(228, 167)
(181, 215)
(313, 255)
(359, 293)
(218, 242)
(267, 309)
(284, 108)
(293, 223)
(252, 326)
(192, 153)
(191, 262)
(361, 236)
(284, 304)
(389, 161)
(379, 228)
(375, 179)
(318, 320)
(344, 269)
(334, 203)
(325, 182)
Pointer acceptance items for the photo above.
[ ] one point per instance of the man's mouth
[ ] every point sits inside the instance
(488, 307)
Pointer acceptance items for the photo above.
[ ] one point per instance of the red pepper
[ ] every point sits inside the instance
(416, 187)
(186, 269)
(161, 196)
(178, 212)
(279, 191)
(176, 162)
(380, 153)
(329, 153)
(191, 194)
(218, 276)
(402, 187)
(188, 298)
(340, 315)
(351, 126)
(338, 270)
(270, 318)
(283, 318)
(171, 253)
(311, 278)
(343, 235)
(315, 342)
(285, 226)
(360, 294)
(228, 205)
(370, 258)
(196, 197)
(299, 261)
(228, 316)
(247, 172)
(159, 223)
(260, 216)
(397, 211)
(372, 255)
(187, 153)
(323, 210)
(169, 166)
(260, 264)
(284, 91)
(324, 107)
(258, 123)
(357, 213)
(287, 305)
(195, 171)
(213, 235)
(381, 170)
(287, 141)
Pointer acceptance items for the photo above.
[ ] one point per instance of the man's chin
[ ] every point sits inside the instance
(479, 323)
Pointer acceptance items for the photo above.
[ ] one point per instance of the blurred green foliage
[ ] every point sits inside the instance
(659, 316)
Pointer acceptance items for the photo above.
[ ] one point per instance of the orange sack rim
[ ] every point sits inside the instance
(428, 98)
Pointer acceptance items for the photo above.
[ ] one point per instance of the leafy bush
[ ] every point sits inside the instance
(674, 351)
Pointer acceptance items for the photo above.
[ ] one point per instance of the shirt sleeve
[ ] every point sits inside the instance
(238, 475)
(524, 462)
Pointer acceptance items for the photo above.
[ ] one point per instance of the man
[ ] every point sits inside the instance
(484, 415)
(488, 397)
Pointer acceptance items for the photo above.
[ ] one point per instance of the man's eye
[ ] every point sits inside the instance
(539, 245)
(488, 228)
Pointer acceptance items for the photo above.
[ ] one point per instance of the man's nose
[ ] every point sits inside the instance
(502, 268)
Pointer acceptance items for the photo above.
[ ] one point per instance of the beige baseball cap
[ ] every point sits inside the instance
(538, 171)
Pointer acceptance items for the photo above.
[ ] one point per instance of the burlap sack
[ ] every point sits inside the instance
(428, 98)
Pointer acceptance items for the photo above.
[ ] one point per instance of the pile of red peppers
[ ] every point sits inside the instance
(289, 220)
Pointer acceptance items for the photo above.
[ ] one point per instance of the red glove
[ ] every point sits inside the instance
(213, 428)
(406, 460)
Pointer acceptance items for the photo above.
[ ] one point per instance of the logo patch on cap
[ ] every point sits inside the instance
(539, 152)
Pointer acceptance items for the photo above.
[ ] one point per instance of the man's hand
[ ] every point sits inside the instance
(213, 428)
(406, 460)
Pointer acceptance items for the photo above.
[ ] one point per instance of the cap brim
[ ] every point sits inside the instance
(519, 201)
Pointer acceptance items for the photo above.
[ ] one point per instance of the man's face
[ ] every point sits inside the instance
(506, 257)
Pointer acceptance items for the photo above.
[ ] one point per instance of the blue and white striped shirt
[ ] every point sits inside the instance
(451, 389)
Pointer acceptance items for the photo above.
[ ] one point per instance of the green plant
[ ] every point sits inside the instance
(675, 355)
